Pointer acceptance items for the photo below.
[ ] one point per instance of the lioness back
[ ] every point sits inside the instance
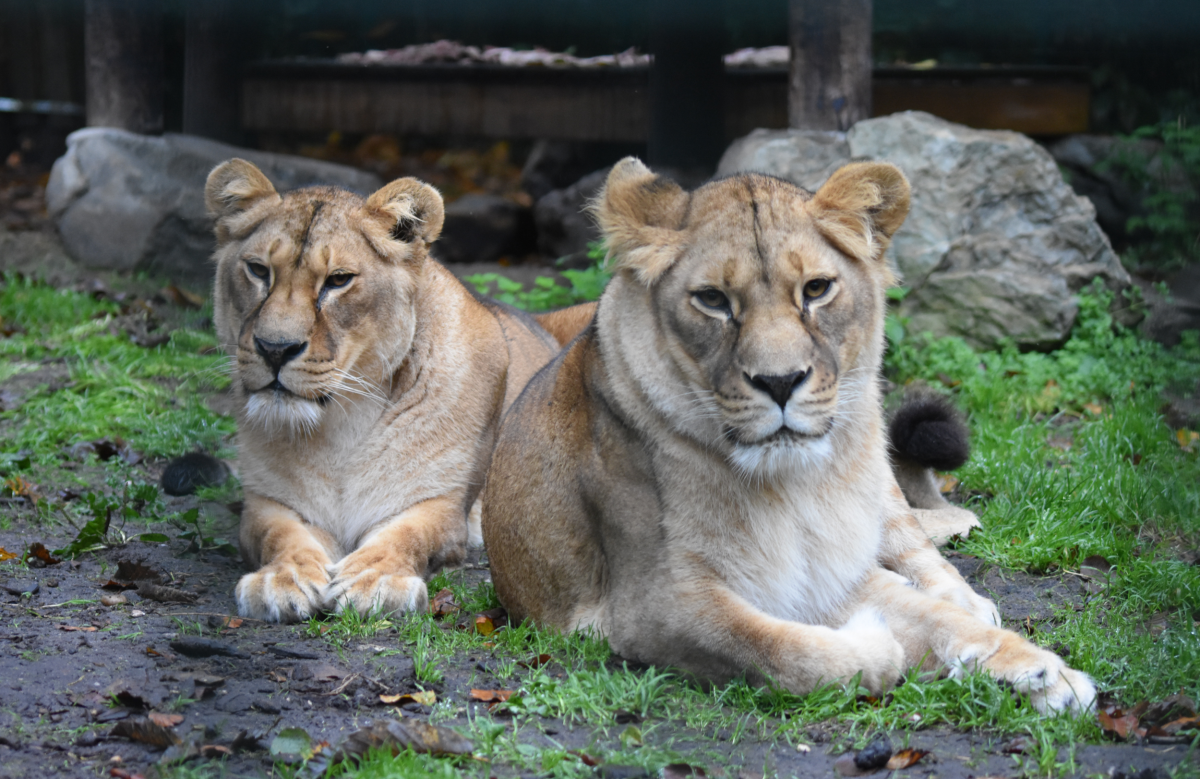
(370, 385)
(702, 476)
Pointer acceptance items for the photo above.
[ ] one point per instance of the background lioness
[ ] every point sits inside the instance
(370, 385)
(702, 476)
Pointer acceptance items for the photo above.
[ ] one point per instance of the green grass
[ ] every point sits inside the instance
(151, 398)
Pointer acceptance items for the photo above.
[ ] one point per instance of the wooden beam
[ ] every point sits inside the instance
(123, 44)
(829, 82)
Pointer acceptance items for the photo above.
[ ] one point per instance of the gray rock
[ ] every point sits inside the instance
(123, 201)
(563, 228)
(996, 243)
(1082, 159)
(484, 228)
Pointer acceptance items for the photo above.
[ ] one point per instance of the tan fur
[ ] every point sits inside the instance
(702, 478)
(566, 323)
(370, 385)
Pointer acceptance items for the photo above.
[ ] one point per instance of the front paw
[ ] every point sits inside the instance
(283, 592)
(871, 648)
(1039, 673)
(365, 588)
(961, 595)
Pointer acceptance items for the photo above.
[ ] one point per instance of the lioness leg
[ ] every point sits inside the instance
(908, 551)
(926, 626)
(387, 569)
(717, 634)
(291, 556)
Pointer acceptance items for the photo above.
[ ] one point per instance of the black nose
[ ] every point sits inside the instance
(277, 353)
(780, 388)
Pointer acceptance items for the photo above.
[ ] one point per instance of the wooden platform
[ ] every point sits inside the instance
(612, 104)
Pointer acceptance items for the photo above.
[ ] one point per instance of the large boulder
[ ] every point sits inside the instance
(996, 243)
(123, 201)
(564, 228)
(483, 228)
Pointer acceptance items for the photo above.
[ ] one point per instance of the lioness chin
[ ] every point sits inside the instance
(702, 476)
(370, 385)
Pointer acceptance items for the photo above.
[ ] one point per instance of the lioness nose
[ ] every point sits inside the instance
(277, 353)
(780, 388)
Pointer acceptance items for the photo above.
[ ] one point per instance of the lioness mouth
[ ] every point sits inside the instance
(276, 387)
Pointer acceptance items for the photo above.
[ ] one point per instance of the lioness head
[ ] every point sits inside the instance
(314, 289)
(751, 311)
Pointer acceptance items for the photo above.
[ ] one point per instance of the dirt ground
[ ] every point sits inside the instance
(72, 670)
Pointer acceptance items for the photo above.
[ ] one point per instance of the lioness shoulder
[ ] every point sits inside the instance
(369, 385)
(702, 476)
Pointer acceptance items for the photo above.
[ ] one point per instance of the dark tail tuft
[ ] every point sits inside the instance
(184, 475)
(927, 429)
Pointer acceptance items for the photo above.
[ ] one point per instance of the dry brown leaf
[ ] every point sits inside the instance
(491, 696)
(423, 697)
(398, 735)
(165, 594)
(78, 629)
(536, 662)
(132, 570)
(19, 487)
(1183, 723)
(6, 555)
(214, 751)
(146, 731)
(1117, 723)
(585, 758)
(905, 758)
(164, 719)
(42, 554)
(118, 599)
(443, 603)
(486, 622)
(117, 586)
(1094, 408)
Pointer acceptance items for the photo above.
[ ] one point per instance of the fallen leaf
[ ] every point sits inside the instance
(1183, 723)
(487, 622)
(131, 570)
(491, 696)
(117, 586)
(164, 719)
(1187, 439)
(231, 623)
(905, 758)
(398, 735)
(536, 662)
(1018, 746)
(423, 697)
(1094, 408)
(6, 555)
(292, 741)
(585, 758)
(19, 487)
(214, 751)
(78, 629)
(1116, 723)
(146, 731)
(443, 603)
(40, 554)
(113, 600)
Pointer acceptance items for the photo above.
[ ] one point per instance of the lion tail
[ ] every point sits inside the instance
(928, 430)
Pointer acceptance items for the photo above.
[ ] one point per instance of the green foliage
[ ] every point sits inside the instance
(1072, 459)
(150, 398)
(1170, 226)
(546, 294)
(127, 498)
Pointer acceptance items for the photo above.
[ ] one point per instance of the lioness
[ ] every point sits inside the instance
(702, 476)
(370, 385)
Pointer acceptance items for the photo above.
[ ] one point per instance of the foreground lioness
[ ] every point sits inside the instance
(370, 385)
(702, 476)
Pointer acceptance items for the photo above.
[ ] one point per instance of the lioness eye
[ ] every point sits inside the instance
(338, 279)
(259, 271)
(713, 298)
(816, 288)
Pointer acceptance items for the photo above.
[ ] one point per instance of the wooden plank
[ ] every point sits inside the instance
(613, 105)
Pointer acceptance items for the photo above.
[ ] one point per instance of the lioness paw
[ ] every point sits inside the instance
(961, 595)
(367, 590)
(871, 649)
(282, 592)
(1041, 674)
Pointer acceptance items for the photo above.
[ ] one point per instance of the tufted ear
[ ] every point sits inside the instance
(235, 185)
(861, 207)
(640, 215)
(412, 210)
(233, 188)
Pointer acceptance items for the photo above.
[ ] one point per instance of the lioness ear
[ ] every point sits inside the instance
(861, 207)
(233, 188)
(412, 209)
(640, 215)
